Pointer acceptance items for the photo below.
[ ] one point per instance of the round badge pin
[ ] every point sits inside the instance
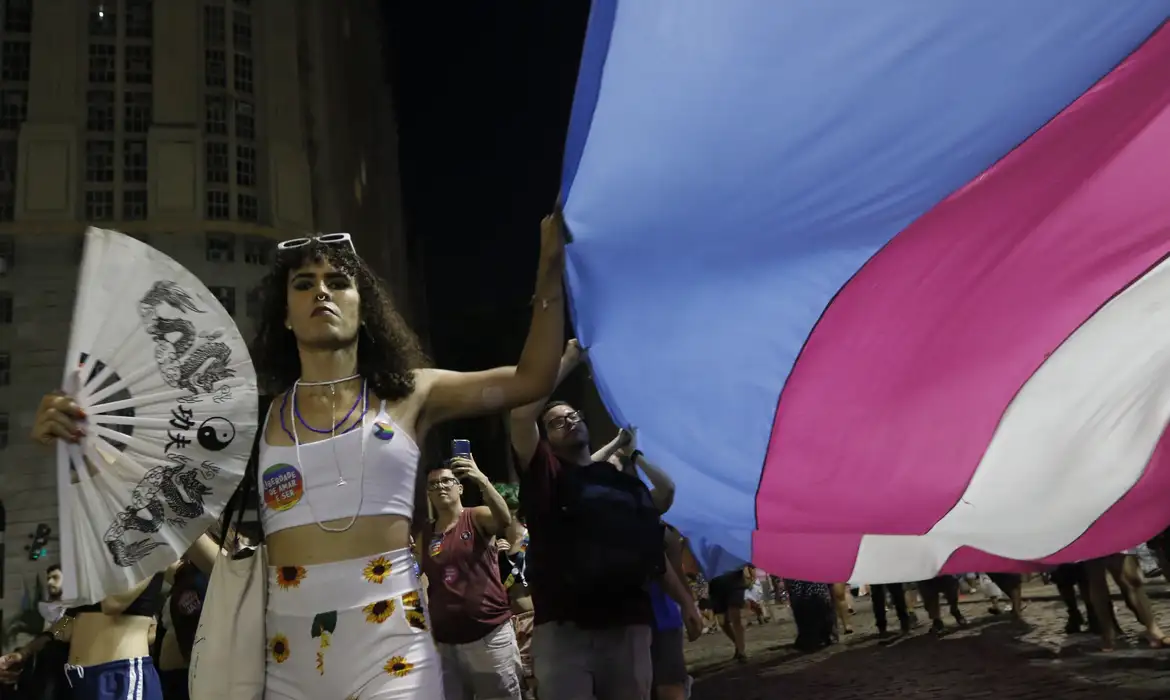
(283, 486)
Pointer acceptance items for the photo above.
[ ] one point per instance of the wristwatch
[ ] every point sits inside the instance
(635, 455)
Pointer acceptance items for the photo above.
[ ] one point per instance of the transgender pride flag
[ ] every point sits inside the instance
(882, 284)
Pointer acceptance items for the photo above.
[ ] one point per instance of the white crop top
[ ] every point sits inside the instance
(295, 494)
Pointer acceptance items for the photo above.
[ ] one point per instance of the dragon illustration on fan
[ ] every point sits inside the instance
(170, 494)
(185, 363)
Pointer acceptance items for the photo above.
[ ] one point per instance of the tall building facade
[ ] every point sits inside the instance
(208, 128)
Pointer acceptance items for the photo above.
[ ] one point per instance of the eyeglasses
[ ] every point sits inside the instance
(445, 482)
(563, 421)
(326, 238)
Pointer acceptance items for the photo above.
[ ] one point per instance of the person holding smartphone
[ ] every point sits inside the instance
(471, 615)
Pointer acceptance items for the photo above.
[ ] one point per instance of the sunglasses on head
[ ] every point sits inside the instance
(326, 238)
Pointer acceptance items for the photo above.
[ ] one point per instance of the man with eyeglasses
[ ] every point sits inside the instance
(586, 644)
(471, 616)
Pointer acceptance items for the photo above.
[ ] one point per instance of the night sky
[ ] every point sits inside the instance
(482, 92)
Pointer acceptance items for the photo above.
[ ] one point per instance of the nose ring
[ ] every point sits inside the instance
(320, 297)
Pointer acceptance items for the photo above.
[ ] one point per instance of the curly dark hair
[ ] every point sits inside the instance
(388, 350)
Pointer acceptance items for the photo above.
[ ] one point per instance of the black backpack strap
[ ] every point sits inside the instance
(247, 493)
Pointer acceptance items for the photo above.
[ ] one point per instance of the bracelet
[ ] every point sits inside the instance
(544, 301)
(635, 455)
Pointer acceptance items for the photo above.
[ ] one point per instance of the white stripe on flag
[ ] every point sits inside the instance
(1075, 439)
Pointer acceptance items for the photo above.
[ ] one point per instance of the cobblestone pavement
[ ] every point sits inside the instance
(993, 658)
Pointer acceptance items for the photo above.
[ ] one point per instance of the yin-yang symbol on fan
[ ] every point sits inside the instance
(215, 434)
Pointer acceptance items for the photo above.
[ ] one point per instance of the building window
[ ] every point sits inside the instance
(103, 63)
(99, 161)
(139, 64)
(134, 205)
(245, 121)
(215, 66)
(134, 161)
(243, 73)
(215, 115)
(242, 31)
(246, 166)
(13, 109)
(255, 303)
(7, 254)
(138, 108)
(217, 162)
(5, 309)
(218, 205)
(214, 19)
(139, 19)
(18, 16)
(221, 247)
(3, 431)
(99, 205)
(99, 110)
(14, 61)
(7, 164)
(5, 369)
(215, 118)
(103, 20)
(227, 297)
(247, 207)
(256, 251)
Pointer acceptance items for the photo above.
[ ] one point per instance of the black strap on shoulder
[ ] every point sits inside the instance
(247, 492)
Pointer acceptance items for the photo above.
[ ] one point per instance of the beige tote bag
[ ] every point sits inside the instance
(228, 657)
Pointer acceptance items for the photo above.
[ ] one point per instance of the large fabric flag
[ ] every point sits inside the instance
(882, 284)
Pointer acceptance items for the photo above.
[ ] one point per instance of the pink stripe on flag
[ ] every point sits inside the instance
(902, 383)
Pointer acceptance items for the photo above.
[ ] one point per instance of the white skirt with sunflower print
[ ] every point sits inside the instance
(347, 630)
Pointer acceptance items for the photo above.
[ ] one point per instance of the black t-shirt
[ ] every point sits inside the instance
(147, 604)
(552, 599)
(186, 604)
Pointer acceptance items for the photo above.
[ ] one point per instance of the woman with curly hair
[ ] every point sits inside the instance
(338, 460)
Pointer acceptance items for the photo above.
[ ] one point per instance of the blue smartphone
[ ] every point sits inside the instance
(461, 448)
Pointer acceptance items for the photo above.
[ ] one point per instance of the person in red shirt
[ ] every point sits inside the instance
(471, 615)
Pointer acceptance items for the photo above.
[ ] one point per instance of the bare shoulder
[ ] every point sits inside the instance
(407, 411)
(426, 377)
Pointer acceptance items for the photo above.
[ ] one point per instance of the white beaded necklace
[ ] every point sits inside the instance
(333, 446)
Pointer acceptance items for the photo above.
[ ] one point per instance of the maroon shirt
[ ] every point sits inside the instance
(552, 600)
(467, 599)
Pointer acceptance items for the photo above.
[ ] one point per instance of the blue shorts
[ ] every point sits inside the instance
(128, 679)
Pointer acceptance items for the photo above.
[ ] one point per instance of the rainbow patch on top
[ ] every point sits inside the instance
(383, 431)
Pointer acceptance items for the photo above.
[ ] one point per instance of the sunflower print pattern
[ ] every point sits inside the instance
(376, 570)
(398, 666)
(379, 612)
(320, 663)
(279, 649)
(290, 576)
(412, 603)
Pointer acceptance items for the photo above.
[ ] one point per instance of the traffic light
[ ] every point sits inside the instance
(40, 540)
